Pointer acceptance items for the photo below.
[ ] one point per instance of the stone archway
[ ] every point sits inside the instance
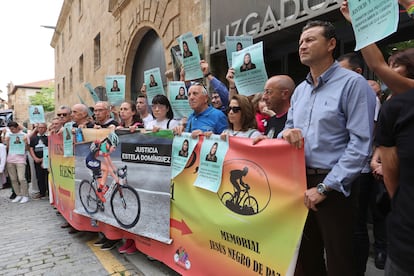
(149, 54)
(145, 37)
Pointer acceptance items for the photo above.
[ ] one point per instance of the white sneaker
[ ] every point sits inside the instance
(24, 199)
(17, 199)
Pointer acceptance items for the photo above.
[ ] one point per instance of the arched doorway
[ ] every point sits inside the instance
(149, 54)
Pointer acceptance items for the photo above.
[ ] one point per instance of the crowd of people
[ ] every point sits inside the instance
(357, 159)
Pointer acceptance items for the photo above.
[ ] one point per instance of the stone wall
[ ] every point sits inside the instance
(121, 25)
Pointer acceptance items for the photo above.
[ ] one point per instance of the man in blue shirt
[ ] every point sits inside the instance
(332, 110)
(205, 118)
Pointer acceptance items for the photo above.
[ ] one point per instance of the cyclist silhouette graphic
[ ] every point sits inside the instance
(240, 202)
(104, 147)
(237, 181)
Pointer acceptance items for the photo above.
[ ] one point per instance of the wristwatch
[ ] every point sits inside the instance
(322, 189)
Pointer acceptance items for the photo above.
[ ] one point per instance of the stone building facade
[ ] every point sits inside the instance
(97, 38)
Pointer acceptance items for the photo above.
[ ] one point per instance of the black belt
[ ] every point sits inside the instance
(312, 171)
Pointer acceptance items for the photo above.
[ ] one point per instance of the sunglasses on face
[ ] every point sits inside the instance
(235, 109)
(62, 114)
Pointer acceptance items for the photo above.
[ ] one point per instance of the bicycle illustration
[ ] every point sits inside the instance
(125, 202)
(242, 203)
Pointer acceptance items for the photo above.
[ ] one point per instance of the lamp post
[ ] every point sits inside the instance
(48, 27)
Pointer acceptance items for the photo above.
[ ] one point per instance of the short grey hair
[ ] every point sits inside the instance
(203, 88)
(105, 104)
(66, 108)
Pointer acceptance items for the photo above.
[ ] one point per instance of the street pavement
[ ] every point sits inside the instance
(33, 243)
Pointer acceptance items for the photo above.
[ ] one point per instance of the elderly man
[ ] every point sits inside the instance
(80, 116)
(277, 93)
(63, 113)
(333, 110)
(103, 116)
(205, 118)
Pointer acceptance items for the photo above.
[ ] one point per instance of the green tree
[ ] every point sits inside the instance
(45, 97)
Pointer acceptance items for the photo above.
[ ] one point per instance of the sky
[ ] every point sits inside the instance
(25, 52)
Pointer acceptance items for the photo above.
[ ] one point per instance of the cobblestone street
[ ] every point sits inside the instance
(33, 243)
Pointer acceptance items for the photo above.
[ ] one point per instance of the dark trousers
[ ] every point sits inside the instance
(381, 209)
(42, 178)
(367, 189)
(365, 192)
(328, 230)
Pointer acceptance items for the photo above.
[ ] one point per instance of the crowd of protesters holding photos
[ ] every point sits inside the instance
(358, 160)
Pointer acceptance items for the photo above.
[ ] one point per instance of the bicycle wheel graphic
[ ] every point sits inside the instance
(126, 206)
(250, 206)
(227, 199)
(88, 197)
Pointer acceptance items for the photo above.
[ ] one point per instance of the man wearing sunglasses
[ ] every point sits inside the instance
(63, 113)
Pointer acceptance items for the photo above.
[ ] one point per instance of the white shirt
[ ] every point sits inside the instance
(162, 124)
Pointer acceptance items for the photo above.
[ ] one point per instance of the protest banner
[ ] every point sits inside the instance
(253, 232)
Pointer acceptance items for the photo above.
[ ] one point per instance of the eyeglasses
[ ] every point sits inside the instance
(235, 109)
(62, 114)
(268, 92)
(158, 106)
